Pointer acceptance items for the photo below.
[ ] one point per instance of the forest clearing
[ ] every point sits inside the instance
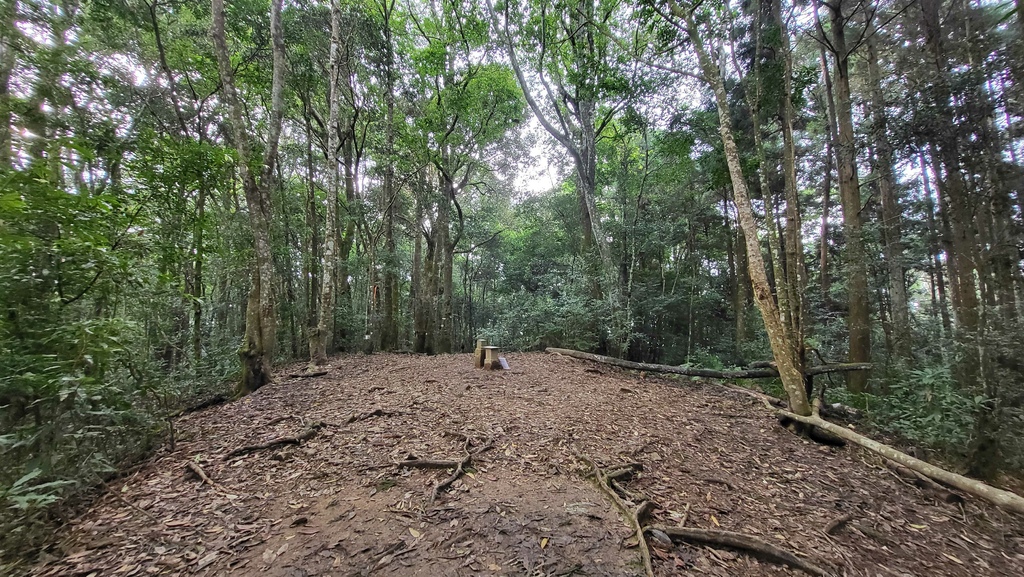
(340, 503)
(751, 272)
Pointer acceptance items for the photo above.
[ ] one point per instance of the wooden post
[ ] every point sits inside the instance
(491, 361)
(478, 353)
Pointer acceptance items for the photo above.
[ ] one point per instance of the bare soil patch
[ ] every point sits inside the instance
(335, 502)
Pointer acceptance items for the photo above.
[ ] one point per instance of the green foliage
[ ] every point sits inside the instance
(924, 406)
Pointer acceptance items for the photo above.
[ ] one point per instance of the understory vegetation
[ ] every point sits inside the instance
(192, 193)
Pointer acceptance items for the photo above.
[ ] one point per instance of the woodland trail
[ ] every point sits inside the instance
(337, 504)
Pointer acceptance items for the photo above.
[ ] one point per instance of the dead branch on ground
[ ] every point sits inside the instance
(999, 497)
(306, 435)
(199, 472)
(459, 466)
(742, 542)
(1003, 499)
(211, 402)
(277, 420)
(706, 373)
(117, 495)
(427, 464)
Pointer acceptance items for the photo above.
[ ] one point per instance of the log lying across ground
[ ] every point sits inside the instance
(1003, 499)
(761, 373)
(998, 497)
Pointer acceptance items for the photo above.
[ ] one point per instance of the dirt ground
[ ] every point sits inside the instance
(337, 504)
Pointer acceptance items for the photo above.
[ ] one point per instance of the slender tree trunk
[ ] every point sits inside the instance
(933, 243)
(321, 337)
(892, 214)
(311, 256)
(198, 289)
(783, 350)
(796, 270)
(8, 36)
(389, 328)
(420, 271)
(859, 314)
(259, 343)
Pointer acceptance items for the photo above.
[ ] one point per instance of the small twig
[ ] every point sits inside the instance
(720, 481)
(195, 468)
(117, 495)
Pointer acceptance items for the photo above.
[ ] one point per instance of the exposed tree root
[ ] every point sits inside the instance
(355, 417)
(459, 466)
(306, 435)
(1003, 499)
(742, 542)
(838, 523)
(427, 464)
(211, 402)
(636, 515)
(277, 420)
(922, 482)
(307, 375)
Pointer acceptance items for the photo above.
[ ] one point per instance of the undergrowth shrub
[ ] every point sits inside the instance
(69, 420)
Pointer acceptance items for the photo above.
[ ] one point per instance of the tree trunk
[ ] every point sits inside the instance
(311, 256)
(859, 316)
(830, 135)
(796, 270)
(933, 244)
(389, 325)
(783, 350)
(7, 59)
(259, 342)
(321, 337)
(892, 214)
(197, 282)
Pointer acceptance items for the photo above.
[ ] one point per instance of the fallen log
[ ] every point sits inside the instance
(763, 373)
(998, 497)
(741, 542)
